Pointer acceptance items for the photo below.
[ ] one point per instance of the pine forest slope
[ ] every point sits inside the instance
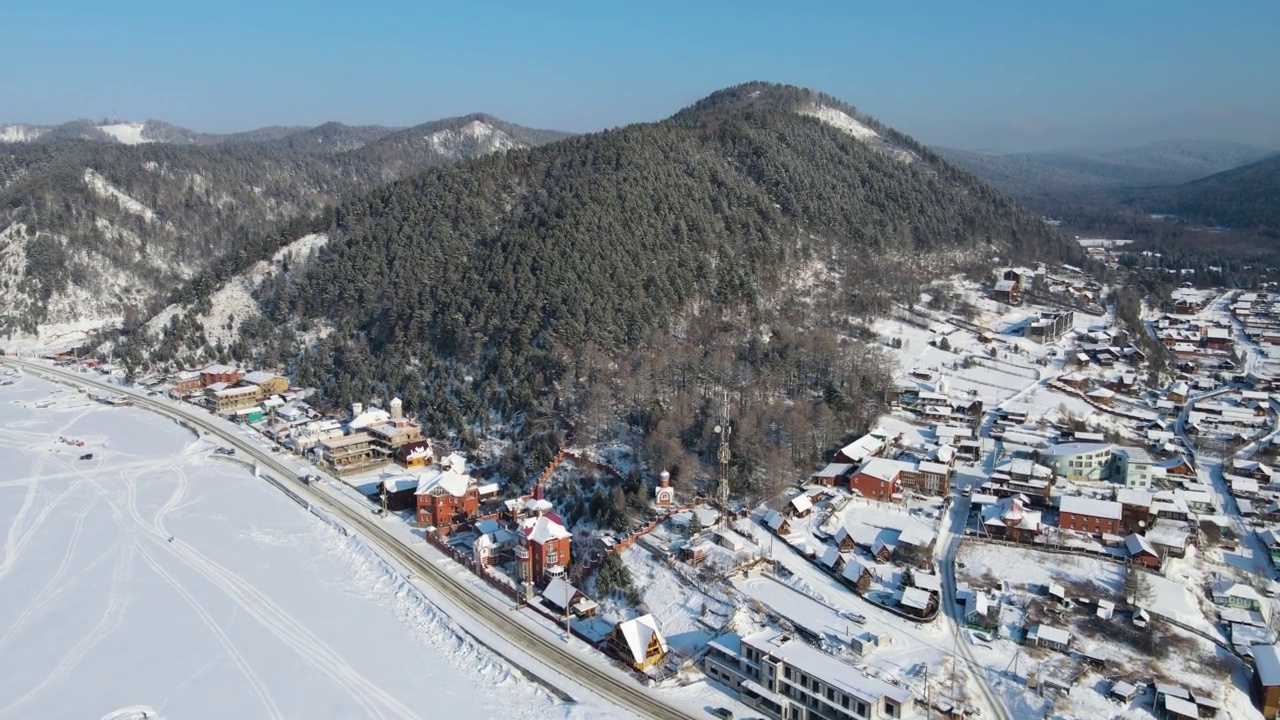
(637, 272)
(1246, 197)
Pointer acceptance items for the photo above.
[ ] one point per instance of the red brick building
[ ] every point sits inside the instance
(1088, 515)
(446, 496)
(221, 374)
(542, 549)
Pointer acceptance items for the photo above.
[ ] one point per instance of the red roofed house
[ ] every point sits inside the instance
(543, 549)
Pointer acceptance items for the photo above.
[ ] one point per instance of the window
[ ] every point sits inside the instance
(551, 556)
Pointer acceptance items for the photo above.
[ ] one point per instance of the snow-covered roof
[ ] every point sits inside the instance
(854, 569)
(1091, 507)
(1230, 588)
(444, 479)
(1266, 659)
(1137, 544)
(543, 528)
(834, 470)
(1075, 448)
(774, 519)
(801, 503)
(367, 418)
(1135, 455)
(219, 369)
(257, 377)
(639, 633)
(885, 469)
(1185, 708)
(914, 598)
(1134, 496)
(560, 592)
(1024, 466)
(1052, 634)
(827, 668)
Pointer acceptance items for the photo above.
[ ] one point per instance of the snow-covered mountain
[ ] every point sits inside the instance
(103, 233)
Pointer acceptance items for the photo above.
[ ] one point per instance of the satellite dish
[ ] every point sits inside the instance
(716, 429)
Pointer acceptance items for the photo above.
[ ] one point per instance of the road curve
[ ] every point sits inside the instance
(544, 647)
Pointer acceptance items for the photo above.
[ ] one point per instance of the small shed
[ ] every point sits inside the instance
(1123, 691)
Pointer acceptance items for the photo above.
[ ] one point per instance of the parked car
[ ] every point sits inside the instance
(725, 713)
(87, 456)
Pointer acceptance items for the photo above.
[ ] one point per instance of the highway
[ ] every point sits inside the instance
(548, 649)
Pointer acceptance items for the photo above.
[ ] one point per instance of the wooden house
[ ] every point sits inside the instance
(638, 643)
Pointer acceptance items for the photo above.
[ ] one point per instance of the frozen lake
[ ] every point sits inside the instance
(255, 608)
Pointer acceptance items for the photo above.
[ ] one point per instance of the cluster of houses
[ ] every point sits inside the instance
(1194, 336)
(1070, 283)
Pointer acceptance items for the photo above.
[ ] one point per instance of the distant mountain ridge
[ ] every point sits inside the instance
(1064, 173)
(100, 221)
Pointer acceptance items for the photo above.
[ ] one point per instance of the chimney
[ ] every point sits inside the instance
(356, 409)
(397, 409)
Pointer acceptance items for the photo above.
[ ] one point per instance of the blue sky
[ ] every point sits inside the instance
(977, 75)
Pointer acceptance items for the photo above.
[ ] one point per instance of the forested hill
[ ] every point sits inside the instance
(728, 246)
(1247, 197)
(96, 231)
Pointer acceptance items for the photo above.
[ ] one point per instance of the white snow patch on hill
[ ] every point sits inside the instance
(104, 189)
(233, 303)
(20, 133)
(126, 133)
(840, 120)
(476, 133)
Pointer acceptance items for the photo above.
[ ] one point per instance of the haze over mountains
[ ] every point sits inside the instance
(1064, 174)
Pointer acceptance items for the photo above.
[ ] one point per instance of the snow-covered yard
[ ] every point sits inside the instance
(152, 577)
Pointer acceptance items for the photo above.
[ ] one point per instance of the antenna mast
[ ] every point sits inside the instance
(722, 455)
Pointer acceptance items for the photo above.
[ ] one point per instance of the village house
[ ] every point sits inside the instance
(228, 374)
(638, 643)
(1089, 515)
(395, 431)
(1142, 552)
(777, 522)
(833, 474)
(542, 550)
(1229, 593)
(1266, 679)
(867, 446)
(1022, 476)
(778, 677)
(1008, 519)
(185, 383)
(1049, 636)
(414, 454)
(856, 574)
(349, 454)
(1135, 509)
(230, 399)
(270, 383)
(877, 478)
(563, 599)
(447, 496)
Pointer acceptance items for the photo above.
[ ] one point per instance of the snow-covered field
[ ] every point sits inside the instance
(153, 577)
